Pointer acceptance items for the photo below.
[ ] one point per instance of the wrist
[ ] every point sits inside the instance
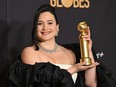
(72, 70)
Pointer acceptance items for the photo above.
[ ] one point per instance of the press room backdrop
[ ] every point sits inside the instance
(16, 18)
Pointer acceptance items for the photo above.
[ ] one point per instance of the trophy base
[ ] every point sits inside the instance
(87, 59)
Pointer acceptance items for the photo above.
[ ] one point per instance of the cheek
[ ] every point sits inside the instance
(38, 32)
(54, 30)
(39, 29)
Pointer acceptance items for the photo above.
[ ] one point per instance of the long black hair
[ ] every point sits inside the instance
(41, 9)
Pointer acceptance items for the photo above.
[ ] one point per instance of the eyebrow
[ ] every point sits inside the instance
(47, 20)
(50, 20)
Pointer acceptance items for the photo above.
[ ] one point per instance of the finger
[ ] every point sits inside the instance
(89, 67)
(83, 63)
(88, 31)
(86, 67)
(93, 65)
(85, 36)
(87, 39)
(96, 63)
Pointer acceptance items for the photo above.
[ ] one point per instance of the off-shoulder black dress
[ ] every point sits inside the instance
(49, 75)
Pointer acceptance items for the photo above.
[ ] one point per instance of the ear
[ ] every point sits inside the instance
(57, 26)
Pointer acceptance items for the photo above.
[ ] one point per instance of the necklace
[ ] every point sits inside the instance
(48, 51)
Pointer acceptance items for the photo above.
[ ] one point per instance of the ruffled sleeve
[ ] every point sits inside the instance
(104, 75)
(38, 75)
(49, 75)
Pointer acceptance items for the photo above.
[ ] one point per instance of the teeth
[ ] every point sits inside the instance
(45, 33)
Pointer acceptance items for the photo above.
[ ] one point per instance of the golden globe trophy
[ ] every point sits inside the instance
(82, 28)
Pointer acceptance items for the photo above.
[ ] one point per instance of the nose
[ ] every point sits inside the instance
(45, 27)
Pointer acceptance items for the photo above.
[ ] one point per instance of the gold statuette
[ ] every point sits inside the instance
(82, 27)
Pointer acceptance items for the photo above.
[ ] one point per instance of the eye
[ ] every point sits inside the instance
(50, 23)
(39, 23)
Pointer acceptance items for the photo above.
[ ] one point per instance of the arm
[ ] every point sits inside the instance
(90, 71)
(28, 56)
(90, 74)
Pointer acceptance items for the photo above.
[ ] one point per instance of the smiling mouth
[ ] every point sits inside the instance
(46, 33)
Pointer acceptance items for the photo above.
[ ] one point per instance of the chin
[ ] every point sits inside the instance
(46, 39)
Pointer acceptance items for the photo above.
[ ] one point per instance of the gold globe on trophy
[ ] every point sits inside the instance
(82, 28)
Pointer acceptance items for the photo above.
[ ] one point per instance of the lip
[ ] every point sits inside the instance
(45, 33)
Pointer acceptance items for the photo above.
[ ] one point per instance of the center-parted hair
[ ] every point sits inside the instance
(41, 9)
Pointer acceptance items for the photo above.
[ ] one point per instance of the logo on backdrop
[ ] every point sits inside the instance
(70, 3)
(99, 54)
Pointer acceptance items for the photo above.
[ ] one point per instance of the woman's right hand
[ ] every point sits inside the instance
(81, 67)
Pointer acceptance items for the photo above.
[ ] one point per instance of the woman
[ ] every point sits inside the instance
(47, 64)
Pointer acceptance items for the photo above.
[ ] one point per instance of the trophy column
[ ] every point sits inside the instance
(82, 27)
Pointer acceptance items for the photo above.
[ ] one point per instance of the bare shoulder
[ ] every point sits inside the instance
(28, 54)
(70, 55)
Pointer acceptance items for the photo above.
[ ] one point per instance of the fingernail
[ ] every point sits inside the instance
(97, 63)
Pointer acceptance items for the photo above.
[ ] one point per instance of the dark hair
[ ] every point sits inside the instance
(41, 9)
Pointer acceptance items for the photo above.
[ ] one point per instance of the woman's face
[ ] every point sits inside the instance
(46, 26)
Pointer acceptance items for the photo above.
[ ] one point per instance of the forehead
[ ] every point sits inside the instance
(46, 16)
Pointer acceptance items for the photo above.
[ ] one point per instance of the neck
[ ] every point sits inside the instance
(48, 46)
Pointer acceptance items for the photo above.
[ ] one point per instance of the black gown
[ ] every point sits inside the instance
(49, 75)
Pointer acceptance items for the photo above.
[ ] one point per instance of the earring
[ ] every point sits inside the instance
(57, 32)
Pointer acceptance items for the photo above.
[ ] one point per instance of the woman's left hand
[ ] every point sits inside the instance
(87, 37)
